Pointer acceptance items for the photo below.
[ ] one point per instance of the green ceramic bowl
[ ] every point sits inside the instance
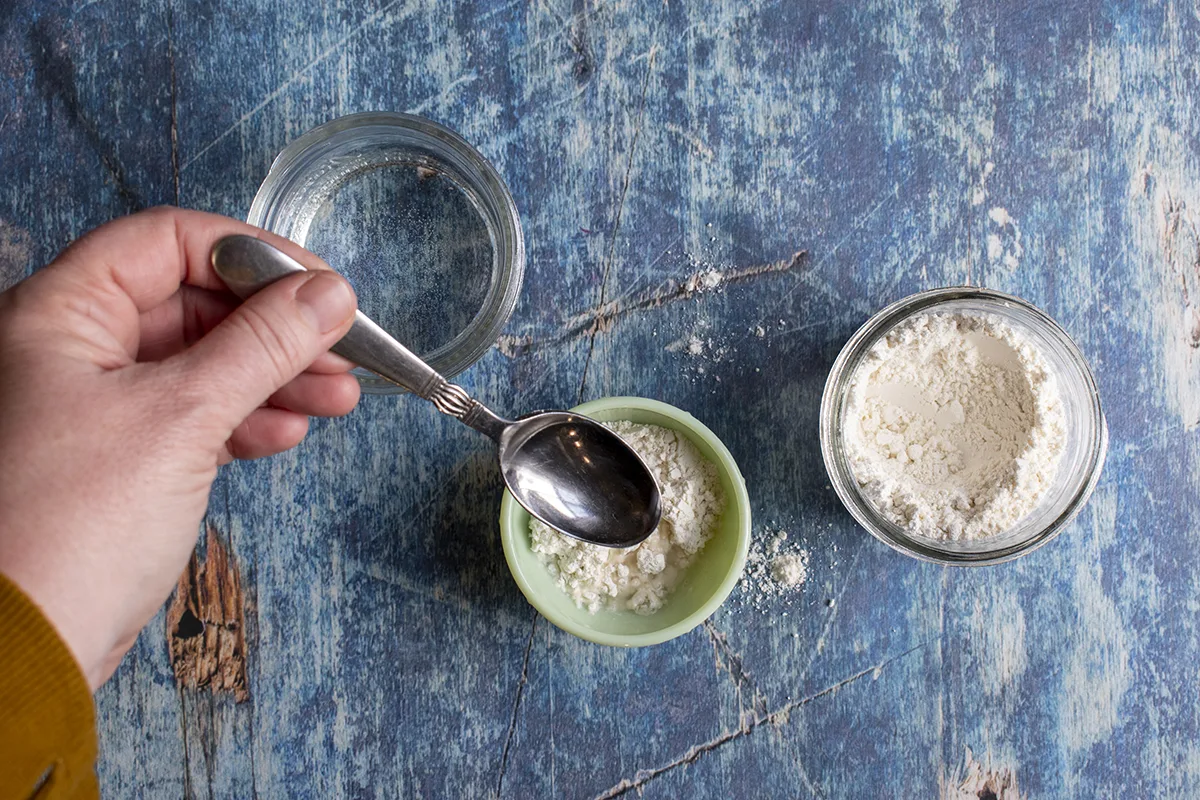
(708, 581)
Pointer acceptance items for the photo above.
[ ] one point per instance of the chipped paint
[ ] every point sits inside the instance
(999, 639)
(15, 252)
(976, 780)
(1096, 670)
(206, 631)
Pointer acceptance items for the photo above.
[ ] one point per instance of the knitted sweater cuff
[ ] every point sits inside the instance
(47, 718)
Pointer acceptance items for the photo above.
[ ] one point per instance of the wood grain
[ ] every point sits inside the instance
(206, 626)
(388, 652)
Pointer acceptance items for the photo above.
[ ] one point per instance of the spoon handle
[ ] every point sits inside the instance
(247, 264)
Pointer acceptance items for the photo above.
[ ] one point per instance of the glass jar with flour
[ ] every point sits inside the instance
(962, 426)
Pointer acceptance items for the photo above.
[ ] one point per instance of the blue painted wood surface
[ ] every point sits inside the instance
(390, 654)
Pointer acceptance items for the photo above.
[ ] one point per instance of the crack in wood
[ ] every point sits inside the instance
(776, 718)
(512, 722)
(584, 68)
(602, 318)
(183, 735)
(208, 739)
(1183, 259)
(727, 660)
(206, 624)
(612, 244)
(54, 77)
(642, 777)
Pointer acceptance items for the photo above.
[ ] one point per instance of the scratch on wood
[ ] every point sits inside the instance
(395, 578)
(568, 24)
(830, 616)
(729, 661)
(174, 99)
(54, 76)
(778, 717)
(612, 244)
(206, 625)
(697, 144)
(852, 231)
(425, 105)
(487, 15)
(602, 318)
(336, 47)
(512, 723)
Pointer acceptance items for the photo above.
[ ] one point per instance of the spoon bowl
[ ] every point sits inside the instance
(569, 471)
(579, 478)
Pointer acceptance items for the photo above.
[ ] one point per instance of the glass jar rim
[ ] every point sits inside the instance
(463, 165)
(846, 486)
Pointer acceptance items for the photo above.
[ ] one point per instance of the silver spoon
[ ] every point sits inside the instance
(567, 470)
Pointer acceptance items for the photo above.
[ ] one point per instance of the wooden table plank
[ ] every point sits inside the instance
(825, 160)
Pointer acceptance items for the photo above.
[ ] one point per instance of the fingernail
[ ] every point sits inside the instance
(326, 300)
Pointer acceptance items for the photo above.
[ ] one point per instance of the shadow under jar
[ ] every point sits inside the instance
(417, 220)
(1082, 456)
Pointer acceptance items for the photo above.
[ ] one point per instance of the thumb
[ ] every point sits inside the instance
(269, 339)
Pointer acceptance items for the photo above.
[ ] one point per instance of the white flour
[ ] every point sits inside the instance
(955, 426)
(640, 578)
(775, 572)
(790, 569)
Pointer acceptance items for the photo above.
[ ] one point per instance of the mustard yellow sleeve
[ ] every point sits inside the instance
(47, 718)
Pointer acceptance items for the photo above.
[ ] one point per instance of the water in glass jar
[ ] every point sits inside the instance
(413, 246)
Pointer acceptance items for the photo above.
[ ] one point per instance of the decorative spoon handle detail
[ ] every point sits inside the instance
(451, 399)
(569, 471)
(247, 264)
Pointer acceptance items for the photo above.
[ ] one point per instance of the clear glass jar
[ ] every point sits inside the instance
(419, 222)
(1083, 455)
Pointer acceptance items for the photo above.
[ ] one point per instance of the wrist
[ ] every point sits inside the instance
(59, 608)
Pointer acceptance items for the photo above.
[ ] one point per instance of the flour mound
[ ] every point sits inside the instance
(640, 578)
(955, 426)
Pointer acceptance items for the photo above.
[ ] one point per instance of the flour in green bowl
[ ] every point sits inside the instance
(641, 578)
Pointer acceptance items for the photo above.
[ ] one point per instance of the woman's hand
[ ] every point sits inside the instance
(128, 374)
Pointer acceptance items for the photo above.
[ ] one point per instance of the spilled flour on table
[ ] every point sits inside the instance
(774, 571)
(790, 569)
(703, 281)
